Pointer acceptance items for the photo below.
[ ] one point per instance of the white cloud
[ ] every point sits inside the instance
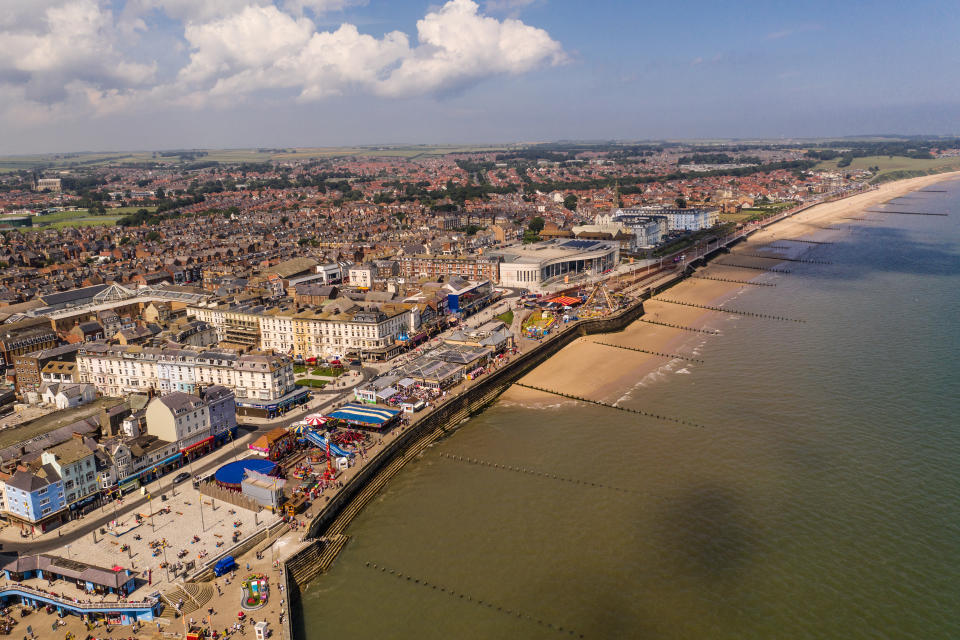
(263, 47)
(78, 57)
(73, 45)
(459, 46)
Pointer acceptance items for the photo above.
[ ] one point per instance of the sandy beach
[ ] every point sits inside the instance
(606, 373)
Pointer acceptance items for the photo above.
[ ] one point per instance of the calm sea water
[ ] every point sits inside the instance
(820, 500)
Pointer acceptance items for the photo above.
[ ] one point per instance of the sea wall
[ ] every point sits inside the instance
(326, 528)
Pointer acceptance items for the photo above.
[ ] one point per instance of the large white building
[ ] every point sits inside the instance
(677, 219)
(535, 265)
(338, 328)
(117, 370)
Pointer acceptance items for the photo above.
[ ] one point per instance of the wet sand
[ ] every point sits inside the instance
(605, 373)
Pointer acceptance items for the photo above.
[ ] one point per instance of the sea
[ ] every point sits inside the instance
(818, 498)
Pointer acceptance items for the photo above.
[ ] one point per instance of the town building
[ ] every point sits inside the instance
(677, 219)
(29, 366)
(75, 464)
(434, 267)
(196, 424)
(35, 498)
(536, 265)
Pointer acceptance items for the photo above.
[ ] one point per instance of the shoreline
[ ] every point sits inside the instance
(615, 373)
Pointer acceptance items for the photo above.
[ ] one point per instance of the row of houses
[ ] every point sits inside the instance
(262, 383)
(71, 475)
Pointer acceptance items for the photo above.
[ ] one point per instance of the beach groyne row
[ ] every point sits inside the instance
(732, 281)
(652, 353)
(738, 312)
(531, 472)
(754, 267)
(804, 260)
(910, 213)
(804, 241)
(459, 595)
(712, 332)
(639, 412)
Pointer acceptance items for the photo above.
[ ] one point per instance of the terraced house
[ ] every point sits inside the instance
(256, 379)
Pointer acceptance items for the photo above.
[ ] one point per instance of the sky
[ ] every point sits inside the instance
(102, 75)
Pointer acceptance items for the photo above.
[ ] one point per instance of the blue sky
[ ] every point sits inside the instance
(148, 74)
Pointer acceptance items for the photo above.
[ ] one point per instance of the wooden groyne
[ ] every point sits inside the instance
(803, 241)
(639, 412)
(712, 332)
(805, 260)
(756, 284)
(533, 472)
(754, 267)
(909, 213)
(671, 356)
(738, 312)
(417, 581)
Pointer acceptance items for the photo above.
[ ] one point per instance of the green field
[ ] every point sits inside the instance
(235, 156)
(81, 218)
(894, 168)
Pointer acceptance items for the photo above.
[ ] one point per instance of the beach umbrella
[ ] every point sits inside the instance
(315, 420)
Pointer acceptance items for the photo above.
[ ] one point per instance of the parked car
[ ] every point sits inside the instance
(180, 477)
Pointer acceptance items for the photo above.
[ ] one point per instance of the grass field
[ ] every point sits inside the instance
(895, 167)
(230, 156)
(81, 218)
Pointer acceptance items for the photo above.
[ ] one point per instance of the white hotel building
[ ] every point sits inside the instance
(677, 219)
(258, 380)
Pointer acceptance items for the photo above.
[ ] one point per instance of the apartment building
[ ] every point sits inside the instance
(470, 267)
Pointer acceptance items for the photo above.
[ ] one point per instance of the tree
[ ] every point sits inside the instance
(570, 202)
(284, 220)
(681, 203)
(536, 225)
(153, 236)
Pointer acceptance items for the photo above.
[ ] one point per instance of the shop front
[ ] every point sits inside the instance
(198, 449)
(272, 408)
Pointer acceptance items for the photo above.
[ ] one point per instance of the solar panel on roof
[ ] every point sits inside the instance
(580, 244)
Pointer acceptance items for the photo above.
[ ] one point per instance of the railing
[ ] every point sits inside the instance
(70, 602)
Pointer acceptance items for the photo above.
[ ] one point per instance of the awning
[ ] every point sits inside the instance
(196, 444)
(389, 392)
